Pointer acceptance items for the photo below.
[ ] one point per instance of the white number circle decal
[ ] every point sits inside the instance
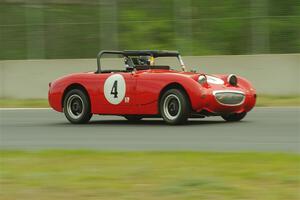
(115, 89)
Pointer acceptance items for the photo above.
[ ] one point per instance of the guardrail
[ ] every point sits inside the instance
(274, 74)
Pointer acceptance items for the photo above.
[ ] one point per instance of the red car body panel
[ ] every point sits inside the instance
(143, 89)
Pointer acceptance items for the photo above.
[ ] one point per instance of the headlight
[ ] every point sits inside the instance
(232, 80)
(202, 79)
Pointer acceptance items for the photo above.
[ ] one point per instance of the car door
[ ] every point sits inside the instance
(147, 90)
(117, 92)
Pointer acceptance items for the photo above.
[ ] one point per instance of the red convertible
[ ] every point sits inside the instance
(143, 89)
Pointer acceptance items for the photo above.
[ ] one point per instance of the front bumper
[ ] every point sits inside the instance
(225, 101)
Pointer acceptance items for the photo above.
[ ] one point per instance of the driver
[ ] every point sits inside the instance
(128, 66)
(141, 60)
(146, 60)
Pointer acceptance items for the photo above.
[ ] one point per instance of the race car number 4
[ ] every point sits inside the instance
(115, 89)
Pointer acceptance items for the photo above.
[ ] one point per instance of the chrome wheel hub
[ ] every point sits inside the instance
(75, 106)
(172, 107)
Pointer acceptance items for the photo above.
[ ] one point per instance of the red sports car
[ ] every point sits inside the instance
(144, 89)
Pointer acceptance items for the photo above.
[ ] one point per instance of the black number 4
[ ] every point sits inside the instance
(114, 89)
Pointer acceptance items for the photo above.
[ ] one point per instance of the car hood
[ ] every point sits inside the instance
(211, 78)
(217, 79)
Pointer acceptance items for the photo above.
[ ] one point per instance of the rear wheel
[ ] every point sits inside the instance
(77, 107)
(234, 117)
(133, 118)
(175, 106)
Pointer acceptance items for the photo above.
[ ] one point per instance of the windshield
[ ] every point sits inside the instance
(174, 63)
(169, 61)
(144, 60)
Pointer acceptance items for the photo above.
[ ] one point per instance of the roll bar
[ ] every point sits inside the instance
(105, 52)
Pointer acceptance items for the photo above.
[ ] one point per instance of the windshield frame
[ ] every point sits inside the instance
(129, 53)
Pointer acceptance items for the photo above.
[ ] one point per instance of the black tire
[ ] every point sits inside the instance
(77, 107)
(174, 106)
(133, 118)
(234, 117)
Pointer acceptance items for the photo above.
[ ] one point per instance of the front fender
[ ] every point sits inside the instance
(150, 86)
(194, 91)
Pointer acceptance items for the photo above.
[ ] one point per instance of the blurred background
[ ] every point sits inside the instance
(41, 40)
(51, 29)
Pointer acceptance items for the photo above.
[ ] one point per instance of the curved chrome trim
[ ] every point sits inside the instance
(69, 105)
(229, 77)
(202, 79)
(230, 91)
(165, 106)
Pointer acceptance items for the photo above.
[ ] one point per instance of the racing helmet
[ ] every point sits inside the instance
(146, 60)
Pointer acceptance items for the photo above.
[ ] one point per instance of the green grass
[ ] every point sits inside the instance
(23, 103)
(262, 100)
(268, 100)
(85, 175)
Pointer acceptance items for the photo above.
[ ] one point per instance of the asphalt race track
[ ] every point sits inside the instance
(264, 129)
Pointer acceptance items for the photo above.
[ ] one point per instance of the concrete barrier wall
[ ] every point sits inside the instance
(270, 74)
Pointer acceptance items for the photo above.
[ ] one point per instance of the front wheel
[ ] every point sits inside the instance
(234, 117)
(77, 107)
(175, 107)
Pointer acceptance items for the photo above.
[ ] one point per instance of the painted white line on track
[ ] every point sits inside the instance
(25, 108)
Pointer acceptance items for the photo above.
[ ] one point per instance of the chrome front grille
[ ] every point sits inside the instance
(229, 98)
